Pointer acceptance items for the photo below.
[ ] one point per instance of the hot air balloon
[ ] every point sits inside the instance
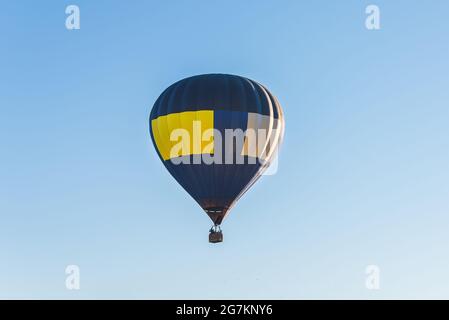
(216, 134)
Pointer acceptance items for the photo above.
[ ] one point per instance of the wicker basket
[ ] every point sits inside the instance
(215, 237)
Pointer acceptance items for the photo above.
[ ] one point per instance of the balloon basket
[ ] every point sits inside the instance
(215, 236)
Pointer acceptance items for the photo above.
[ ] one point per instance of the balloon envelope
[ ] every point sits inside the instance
(216, 134)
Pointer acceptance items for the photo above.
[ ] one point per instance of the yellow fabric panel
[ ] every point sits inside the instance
(194, 123)
(162, 128)
(207, 122)
(186, 122)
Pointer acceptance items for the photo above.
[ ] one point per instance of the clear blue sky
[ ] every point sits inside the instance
(363, 175)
